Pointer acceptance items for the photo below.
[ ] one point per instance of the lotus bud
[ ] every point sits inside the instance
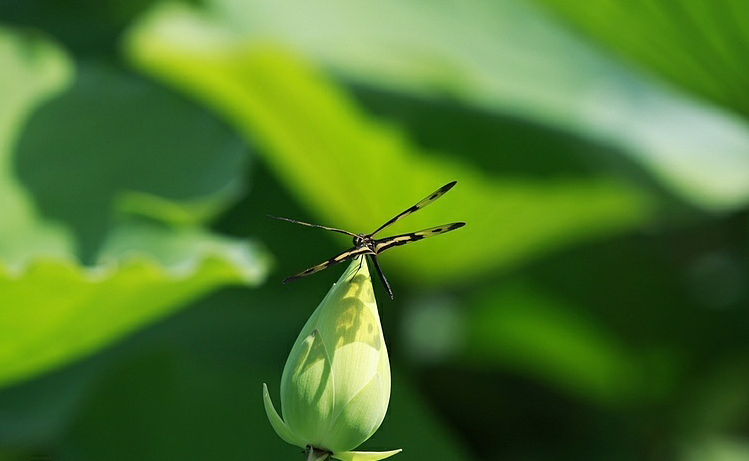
(335, 386)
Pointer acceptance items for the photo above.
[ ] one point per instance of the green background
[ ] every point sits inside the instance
(595, 306)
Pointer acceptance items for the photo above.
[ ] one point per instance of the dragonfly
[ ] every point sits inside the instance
(367, 245)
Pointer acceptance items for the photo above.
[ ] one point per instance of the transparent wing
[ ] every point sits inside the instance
(312, 225)
(429, 199)
(340, 257)
(381, 245)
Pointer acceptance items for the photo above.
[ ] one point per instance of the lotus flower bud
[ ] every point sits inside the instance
(335, 387)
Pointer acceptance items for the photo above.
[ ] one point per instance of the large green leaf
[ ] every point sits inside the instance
(531, 333)
(519, 329)
(114, 139)
(508, 57)
(31, 71)
(53, 309)
(355, 172)
(699, 44)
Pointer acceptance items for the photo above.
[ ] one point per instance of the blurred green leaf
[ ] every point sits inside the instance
(505, 56)
(52, 309)
(80, 310)
(523, 330)
(117, 141)
(178, 213)
(700, 45)
(356, 173)
(716, 448)
(31, 71)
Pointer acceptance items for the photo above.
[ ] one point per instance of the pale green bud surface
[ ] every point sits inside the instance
(335, 387)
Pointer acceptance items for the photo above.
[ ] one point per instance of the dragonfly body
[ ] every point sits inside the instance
(366, 244)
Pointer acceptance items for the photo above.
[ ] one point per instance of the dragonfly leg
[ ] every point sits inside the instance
(382, 276)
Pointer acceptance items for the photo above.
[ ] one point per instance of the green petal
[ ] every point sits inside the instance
(365, 455)
(308, 390)
(350, 327)
(279, 426)
(360, 417)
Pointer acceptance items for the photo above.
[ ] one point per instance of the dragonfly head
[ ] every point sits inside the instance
(360, 240)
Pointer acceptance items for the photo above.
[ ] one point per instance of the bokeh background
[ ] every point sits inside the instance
(595, 306)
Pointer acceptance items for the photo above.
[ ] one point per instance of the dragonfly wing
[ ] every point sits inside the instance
(429, 199)
(340, 257)
(381, 245)
(312, 225)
